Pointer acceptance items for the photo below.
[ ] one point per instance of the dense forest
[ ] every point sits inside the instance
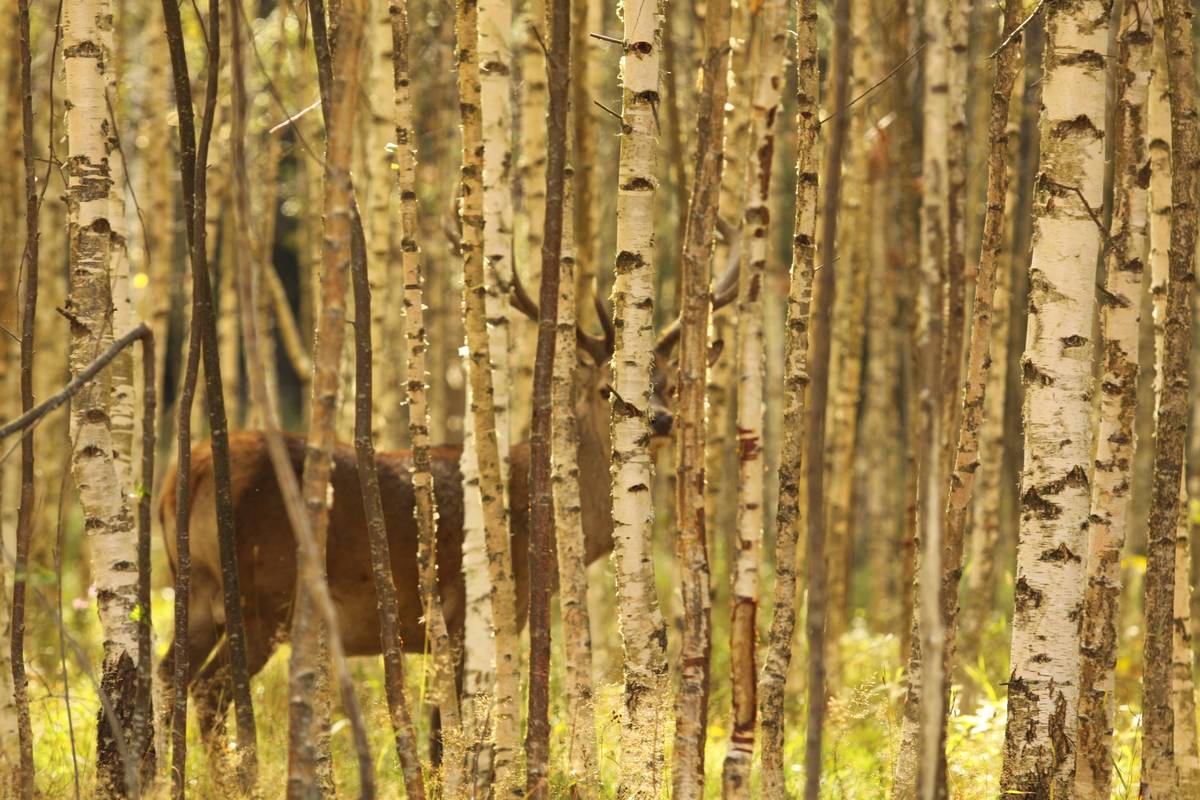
(565, 398)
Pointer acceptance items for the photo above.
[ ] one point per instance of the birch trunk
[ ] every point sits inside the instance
(916, 769)
(965, 439)
(847, 349)
(691, 702)
(1183, 692)
(825, 296)
(582, 762)
(1112, 470)
(424, 509)
(308, 667)
(386, 327)
(643, 634)
(765, 101)
(506, 715)
(87, 52)
(1039, 755)
(789, 518)
(495, 85)
(1162, 775)
(530, 184)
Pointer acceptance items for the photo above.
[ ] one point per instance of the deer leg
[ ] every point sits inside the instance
(213, 689)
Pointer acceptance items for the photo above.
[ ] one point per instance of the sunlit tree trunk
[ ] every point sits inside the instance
(308, 668)
(847, 347)
(691, 702)
(964, 439)
(1171, 766)
(87, 48)
(916, 765)
(1048, 594)
(1125, 265)
(643, 634)
(824, 298)
(571, 547)
(766, 98)
(506, 718)
(495, 85)
(424, 509)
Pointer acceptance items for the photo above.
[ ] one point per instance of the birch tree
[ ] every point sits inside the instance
(916, 767)
(507, 718)
(424, 509)
(1112, 471)
(789, 519)
(1161, 775)
(1048, 594)
(643, 634)
(108, 519)
(308, 668)
(765, 100)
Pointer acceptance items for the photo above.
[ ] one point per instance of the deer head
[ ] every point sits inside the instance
(593, 373)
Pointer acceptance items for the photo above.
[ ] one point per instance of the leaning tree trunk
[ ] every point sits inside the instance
(691, 702)
(507, 716)
(755, 236)
(643, 633)
(424, 508)
(1159, 776)
(1043, 690)
(1112, 469)
(87, 52)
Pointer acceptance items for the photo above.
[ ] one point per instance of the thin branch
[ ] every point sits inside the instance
(877, 83)
(63, 395)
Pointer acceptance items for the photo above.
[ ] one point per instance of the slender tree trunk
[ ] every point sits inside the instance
(425, 510)
(955, 300)
(1039, 755)
(979, 359)
(87, 49)
(766, 99)
(1112, 470)
(643, 634)
(583, 140)
(916, 768)
(1161, 776)
(308, 740)
(937, 350)
(506, 717)
(691, 703)
(847, 350)
(582, 764)
(495, 84)
(789, 515)
(16, 763)
(541, 512)
(825, 296)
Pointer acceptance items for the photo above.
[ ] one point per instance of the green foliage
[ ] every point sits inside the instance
(861, 735)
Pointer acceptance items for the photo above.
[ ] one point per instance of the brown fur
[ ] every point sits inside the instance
(266, 550)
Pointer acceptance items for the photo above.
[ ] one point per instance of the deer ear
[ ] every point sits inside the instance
(714, 350)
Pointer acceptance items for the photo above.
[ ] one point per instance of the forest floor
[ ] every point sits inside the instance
(862, 732)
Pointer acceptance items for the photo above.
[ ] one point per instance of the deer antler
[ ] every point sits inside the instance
(600, 349)
(722, 293)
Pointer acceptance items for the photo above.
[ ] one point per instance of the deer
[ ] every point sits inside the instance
(266, 547)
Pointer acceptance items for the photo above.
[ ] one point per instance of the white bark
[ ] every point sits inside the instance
(642, 631)
(1039, 755)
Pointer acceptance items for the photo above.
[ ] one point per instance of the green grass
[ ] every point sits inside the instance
(861, 734)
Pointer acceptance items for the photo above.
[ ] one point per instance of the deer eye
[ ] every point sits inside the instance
(605, 392)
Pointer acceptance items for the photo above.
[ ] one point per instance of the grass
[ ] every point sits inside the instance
(860, 744)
